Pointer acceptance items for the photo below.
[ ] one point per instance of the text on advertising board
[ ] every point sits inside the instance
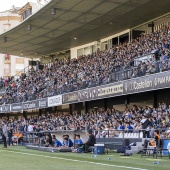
(110, 90)
(42, 103)
(55, 100)
(137, 85)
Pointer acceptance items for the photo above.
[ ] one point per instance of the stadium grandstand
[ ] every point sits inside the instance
(98, 81)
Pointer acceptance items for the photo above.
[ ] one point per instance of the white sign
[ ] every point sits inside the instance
(55, 101)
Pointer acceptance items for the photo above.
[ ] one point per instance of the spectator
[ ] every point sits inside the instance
(56, 143)
(10, 134)
(90, 142)
(78, 141)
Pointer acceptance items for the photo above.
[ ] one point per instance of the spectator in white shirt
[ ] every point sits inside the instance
(30, 128)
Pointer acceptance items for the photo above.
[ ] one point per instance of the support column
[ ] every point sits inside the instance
(40, 112)
(55, 108)
(129, 36)
(155, 99)
(85, 107)
(70, 109)
(127, 100)
(105, 104)
(7, 115)
(24, 115)
(152, 27)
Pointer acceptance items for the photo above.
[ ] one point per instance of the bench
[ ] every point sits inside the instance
(48, 149)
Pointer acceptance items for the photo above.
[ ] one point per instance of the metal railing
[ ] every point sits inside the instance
(122, 133)
(38, 138)
(142, 58)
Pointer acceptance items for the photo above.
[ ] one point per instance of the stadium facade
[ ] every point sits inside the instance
(61, 33)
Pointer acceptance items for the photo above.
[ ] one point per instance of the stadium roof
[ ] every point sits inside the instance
(87, 20)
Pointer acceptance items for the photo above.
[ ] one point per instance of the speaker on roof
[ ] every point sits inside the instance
(53, 11)
(4, 39)
(29, 27)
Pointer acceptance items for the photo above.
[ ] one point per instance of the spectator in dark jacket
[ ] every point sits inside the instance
(10, 134)
(90, 142)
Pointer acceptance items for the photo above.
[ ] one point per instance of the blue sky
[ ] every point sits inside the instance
(7, 4)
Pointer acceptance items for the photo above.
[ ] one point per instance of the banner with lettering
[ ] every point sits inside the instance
(30, 105)
(16, 107)
(55, 100)
(42, 103)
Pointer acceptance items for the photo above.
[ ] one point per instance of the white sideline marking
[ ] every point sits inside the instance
(74, 160)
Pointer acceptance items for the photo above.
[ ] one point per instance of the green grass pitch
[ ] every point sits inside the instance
(20, 158)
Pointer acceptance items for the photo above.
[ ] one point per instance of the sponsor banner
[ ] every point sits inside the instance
(42, 103)
(55, 101)
(88, 94)
(110, 90)
(147, 83)
(101, 92)
(70, 98)
(5, 108)
(138, 85)
(162, 80)
(17, 107)
(30, 105)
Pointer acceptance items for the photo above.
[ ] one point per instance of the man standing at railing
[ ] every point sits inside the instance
(4, 133)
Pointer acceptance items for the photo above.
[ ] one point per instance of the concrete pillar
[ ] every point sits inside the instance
(155, 99)
(24, 115)
(13, 65)
(105, 104)
(70, 109)
(40, 112)
(73, 53)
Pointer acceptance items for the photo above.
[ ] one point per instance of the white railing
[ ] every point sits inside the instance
(142, 58)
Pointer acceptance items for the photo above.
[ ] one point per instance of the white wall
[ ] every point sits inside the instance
(13, 66)
(35, 7)
(74, 51)
(26, 62)
(7, 25)
(88, 50)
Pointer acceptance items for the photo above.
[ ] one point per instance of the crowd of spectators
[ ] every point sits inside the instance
(107, 123)
(95, 69)
(4, 81)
